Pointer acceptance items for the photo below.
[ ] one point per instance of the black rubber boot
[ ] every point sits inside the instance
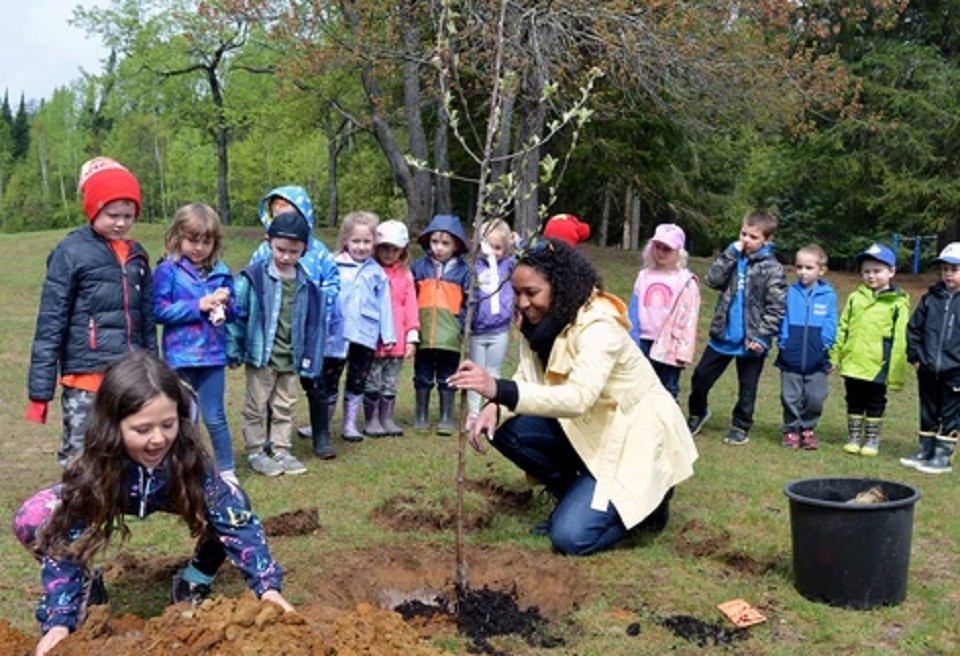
(446, 425)
(320, 424)
(421, 417)
(927, 443)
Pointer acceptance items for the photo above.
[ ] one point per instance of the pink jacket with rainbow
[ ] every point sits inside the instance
(676, 342)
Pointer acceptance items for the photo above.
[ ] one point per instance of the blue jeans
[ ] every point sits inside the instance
(540, 448)
(208, 383)
(668, 374)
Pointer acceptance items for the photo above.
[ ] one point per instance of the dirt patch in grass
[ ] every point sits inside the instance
(419, 512)
(349, 607)
(304, 521)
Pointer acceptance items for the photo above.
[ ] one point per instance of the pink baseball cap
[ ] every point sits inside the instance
(670, 235)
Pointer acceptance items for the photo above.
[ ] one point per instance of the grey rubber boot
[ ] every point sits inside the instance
(942, 460)
(371, 416)
(387, 406)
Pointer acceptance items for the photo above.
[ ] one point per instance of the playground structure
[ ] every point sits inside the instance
(917, 242)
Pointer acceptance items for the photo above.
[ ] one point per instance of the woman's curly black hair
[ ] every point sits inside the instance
(571, 276)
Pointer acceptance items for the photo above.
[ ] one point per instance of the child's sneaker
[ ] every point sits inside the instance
(808, 440)
(262, 463)
(791, 440)
(736, 437)
(192, 593)
(288, 462)
(696, 422)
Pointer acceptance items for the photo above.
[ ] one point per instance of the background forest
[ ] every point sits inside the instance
(844, 116)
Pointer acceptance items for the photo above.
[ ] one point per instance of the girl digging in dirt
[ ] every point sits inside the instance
(585, 414)
(141, 454)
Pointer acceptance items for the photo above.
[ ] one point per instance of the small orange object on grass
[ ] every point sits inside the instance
(741, 613)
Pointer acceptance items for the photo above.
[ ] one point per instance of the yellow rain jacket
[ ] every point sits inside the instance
(625, 426)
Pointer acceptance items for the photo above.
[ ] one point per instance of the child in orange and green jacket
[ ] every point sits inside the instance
(442, 278)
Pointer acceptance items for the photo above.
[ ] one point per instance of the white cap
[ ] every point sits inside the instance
(950, 254)
(394, 233)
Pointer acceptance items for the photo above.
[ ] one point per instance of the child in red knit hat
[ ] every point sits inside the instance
(568, 228)
(96, 303)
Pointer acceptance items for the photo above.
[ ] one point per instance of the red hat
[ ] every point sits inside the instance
(102, 181)
(568, 228)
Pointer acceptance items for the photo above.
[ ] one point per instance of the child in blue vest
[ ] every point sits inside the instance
(808, 331)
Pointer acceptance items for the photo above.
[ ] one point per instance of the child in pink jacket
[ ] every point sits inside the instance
(665, 306)
(380, 395)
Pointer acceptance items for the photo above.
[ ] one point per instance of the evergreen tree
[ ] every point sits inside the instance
(21, 131)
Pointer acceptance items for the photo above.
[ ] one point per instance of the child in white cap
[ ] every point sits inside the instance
(665, 306)
(933, 347)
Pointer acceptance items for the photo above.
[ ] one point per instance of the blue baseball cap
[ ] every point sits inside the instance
(880, 253)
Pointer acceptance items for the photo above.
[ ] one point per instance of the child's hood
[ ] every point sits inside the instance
(297, 196)
(444, 223)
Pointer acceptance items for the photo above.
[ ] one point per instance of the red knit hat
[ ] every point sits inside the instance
(102, 181)
(568, 228)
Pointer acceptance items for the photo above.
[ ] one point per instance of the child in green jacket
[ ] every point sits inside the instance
(871, 348)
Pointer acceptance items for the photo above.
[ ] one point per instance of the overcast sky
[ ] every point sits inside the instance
(40, 51)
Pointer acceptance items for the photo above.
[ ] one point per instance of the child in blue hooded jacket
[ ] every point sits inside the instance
(320, 267)
(808, 331)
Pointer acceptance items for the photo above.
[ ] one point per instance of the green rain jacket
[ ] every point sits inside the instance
(872, 337)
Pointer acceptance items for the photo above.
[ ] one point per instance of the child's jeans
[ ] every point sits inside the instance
(711, 366)
(384, 376)
(208, 383)
(487, 352)
(539, 447)
(76, 405)
(434, 365)
(668, 374)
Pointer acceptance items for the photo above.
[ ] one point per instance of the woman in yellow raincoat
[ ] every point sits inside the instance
(585, 414)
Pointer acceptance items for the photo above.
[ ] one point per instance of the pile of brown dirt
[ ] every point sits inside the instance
(347, 610)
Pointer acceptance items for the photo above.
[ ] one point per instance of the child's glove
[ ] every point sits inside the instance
(37, 412)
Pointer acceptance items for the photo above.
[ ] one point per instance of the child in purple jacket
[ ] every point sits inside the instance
(493, 296)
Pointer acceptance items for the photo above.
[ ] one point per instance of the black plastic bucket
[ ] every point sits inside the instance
(854, 555)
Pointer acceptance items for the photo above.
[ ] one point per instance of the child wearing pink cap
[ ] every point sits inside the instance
(665, 306)
(96, 304)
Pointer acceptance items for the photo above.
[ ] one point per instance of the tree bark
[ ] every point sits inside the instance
(605, 214)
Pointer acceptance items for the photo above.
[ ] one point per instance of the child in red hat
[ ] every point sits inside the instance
(96, 303)
(568, 228)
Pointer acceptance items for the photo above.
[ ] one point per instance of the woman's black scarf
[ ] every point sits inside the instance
(541, 336)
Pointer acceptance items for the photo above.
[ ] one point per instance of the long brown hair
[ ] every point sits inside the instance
(94, 483)
(196, 221)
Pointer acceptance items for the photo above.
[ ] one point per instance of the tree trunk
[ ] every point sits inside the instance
(222, 137)
(500, 162)
(635, 222)
(605, 215)
(417, 136)
(627, 208)
(528, 162)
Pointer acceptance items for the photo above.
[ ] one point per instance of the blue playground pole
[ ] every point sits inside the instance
(916, 253)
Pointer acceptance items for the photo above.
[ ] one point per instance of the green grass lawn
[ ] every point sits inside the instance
(729, 535)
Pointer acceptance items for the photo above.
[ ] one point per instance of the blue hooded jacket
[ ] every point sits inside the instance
(317, 261)
(809, 328)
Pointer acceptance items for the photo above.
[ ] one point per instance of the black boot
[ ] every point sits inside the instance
(446, 424)
(927, 443)
(942, 460)
(657, 520)
(320, 424)
(421, 417)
